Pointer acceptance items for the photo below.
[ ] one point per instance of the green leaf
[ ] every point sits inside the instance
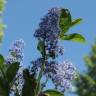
(2, 26)
(1, 36)
(30, 83)
(4, 87)
(53, 93)
(88, 61)
(75, 22)
(65, 20)
(89, 79)
(73, 37)
(2, 3)
(11, 71)
(1, 60)
(40, 47)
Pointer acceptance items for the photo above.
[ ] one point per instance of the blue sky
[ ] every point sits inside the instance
(23, 16)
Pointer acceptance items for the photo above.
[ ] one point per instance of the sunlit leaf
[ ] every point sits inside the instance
(2, 3)
(1, 36)
(53, 93)
(75, 22)
(1, 59)
(73, 37)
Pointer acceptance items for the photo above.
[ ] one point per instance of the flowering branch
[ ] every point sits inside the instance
(53, 27)
(29, 81)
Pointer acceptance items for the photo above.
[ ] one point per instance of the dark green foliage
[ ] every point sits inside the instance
(11, 71)
(86, 84)
(29, 85)
(4, 87)
(65, 20)
(7, 74)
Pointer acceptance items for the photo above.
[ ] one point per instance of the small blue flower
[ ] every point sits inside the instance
(36, 64)
(16, 55)
(10, 60)
(49, 26)
(16, 52)
(19, 81)
(49, 31)
(61, 74)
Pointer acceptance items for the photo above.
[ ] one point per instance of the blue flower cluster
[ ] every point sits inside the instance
(60, 73)
(16, 52)
(49, 30)
(64, 74)
(19, 81)
(16, 55)
(36, 65)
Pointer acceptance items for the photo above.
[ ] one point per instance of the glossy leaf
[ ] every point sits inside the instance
(1, 60)
(29, 84)
(11, 71)
(53, 93)
(65, 20)
(73, 37)
(75, 22)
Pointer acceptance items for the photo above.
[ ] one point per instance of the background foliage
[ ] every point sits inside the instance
(86, 84)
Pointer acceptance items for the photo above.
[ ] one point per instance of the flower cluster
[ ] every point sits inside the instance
(16, 55)
(48, 28)
(36, 65)
(16, 52)
(49, 31)
(65, 73)
(19, 81)
(61, 74)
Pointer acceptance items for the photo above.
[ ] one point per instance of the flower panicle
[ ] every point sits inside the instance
(16, 52)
